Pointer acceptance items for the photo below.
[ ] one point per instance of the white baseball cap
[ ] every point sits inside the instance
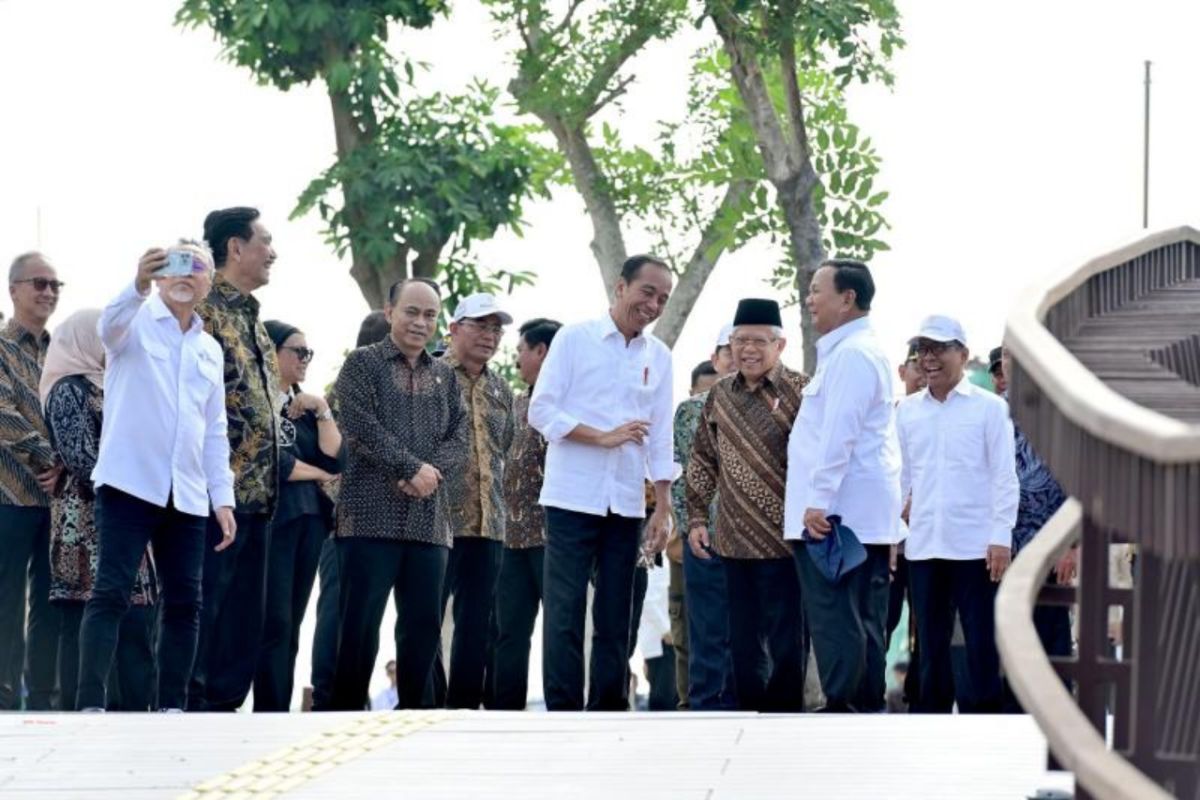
(480, 304)
(942, 329)
(723, 337)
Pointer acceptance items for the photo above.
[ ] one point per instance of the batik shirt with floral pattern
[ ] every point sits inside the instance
(687, 418)
(251, 373)
(523, 475)
(25, 447)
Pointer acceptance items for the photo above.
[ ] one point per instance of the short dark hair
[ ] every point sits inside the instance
(633, 266)
(223, 224)
(539, 331)
(702, 369)
(374, 328)
(849, 274)
(399, 285)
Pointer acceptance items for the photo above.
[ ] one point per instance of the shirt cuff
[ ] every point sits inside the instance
(559, 427)
(1001, 538)
(222, 496)
(664, 470)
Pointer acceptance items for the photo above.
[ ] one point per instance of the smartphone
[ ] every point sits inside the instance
(179, 263)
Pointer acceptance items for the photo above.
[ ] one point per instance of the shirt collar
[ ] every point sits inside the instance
(230, 294)
(608, 328)
(20, 334)
(770, 379)
(839, 334)
(450, 359)
(159, 311)
(963, 387)
(390, 351)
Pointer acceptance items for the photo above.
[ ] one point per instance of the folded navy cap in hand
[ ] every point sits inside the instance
(838, 553)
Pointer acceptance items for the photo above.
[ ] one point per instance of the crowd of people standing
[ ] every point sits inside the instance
(170, 495)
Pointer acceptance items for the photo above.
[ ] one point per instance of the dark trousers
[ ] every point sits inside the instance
(1053, 624)
(518, 598)
(134, 677)
(677, 612)
(660, 673)
(30, 648)
(369, 570)
(767, 633)
(710, 664)
(325, 634)
(292, 568)
(471, 572)
(848, 624)
(235, 601)
(126, 525)
(939, 588)
(579, 546)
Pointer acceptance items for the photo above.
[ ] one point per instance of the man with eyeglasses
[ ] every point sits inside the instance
(406, 431)
(235, 579)
(844, 462)
(29, 474)
(959, 462)
(741, 453)
(477, 510)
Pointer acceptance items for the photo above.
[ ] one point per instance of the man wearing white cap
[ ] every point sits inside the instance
(709, 684)
(477, 508)
(956, 441)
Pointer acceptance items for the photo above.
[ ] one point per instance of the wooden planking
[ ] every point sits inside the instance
(538, 755)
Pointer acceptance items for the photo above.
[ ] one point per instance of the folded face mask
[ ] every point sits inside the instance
(838, 553)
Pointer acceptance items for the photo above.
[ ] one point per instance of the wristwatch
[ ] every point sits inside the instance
(326, 415)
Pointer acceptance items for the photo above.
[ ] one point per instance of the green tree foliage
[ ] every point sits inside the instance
(417, 179)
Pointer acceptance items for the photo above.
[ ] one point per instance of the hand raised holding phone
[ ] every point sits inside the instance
(149, 264)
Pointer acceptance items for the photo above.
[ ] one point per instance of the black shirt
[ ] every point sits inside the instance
(299, 440)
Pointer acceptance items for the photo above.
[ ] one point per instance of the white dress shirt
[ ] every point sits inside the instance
(164, 433)
(592, 377)
(960, 464)
(843, 455)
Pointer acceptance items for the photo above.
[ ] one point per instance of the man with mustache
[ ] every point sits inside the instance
(603, 401)
(163, 461)
(235, 579)
(478, 510)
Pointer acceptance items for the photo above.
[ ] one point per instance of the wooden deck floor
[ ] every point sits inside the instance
(521, 755)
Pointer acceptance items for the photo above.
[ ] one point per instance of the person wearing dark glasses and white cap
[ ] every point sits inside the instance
(310, 451)
(477, 509)
(959, 463)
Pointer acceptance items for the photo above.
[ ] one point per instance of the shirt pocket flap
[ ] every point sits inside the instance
(156, 349)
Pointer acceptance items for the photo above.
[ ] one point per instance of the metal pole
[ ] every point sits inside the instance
(1146, 156)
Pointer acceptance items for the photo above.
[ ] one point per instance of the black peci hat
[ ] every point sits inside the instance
(757, 311)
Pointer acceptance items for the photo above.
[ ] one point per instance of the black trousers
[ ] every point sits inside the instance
(848, 623)
(133, 681)
(291, 570)
(471, 573)
(30, 647)
(767, 633)
(660, 673)
(518, 598)
(370, 569)
(577, 546)
(235, 601)
(126, 525)
(939, 588)
(325, 634)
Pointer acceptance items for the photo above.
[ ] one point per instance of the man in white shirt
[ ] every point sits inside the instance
(959, 463)
(603, 401)
(164, 459)
(844, 460)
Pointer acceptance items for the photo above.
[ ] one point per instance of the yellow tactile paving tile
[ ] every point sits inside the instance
(291, 767)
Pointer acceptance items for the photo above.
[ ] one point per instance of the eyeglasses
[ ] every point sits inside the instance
(305, 354)
(42, 284)
(756, 342)
(494, 329)
(932, 348)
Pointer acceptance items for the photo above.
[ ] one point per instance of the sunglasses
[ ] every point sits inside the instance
(42, 284)
(305, 354)
(930, 347)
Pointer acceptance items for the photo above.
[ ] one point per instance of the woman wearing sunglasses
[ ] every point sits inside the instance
(310, 456)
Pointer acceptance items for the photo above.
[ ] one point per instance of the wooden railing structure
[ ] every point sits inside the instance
(1106, 386)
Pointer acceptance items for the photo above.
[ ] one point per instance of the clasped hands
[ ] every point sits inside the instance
(422, 484)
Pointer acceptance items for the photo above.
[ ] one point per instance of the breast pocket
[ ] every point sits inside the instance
(205, 375)
(962, 445)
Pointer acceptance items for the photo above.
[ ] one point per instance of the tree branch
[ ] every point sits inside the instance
(611, 95)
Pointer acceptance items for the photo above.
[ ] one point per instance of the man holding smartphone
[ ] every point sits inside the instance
(163, 390)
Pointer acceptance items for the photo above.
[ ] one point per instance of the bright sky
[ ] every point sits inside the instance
(1012, 148)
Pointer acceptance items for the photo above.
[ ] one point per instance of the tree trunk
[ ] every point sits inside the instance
(608, 243)
(805, 237)
(699, 267)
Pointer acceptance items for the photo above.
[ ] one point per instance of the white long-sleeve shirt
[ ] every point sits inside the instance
(164, 433)
(843, 454)
(591, 376)
(959, 461)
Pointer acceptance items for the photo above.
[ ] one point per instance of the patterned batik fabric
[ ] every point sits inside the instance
(25, 447)
(1041, 496)
(478, 491)
(395, 417)
(523, 474)
(251, 374)
(74, 410)
(741, 451)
